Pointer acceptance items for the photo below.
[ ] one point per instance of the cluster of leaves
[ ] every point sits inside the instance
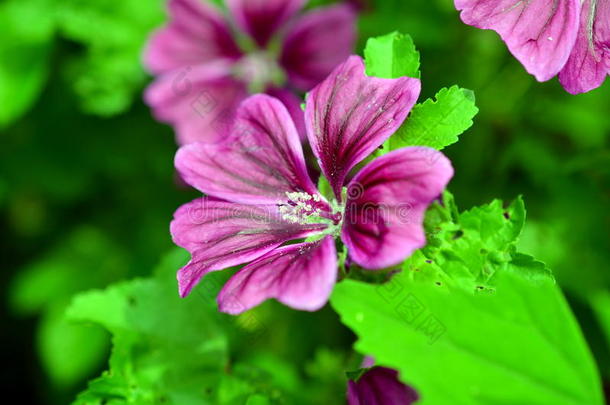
(435, 123)
(470, 320)
(168, 350)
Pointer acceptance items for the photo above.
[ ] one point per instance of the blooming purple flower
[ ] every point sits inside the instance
(260, 196)
(549, 37)
(205, 68)
(380, 386)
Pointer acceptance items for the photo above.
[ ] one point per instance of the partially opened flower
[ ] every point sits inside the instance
(263, 208)
(205, 68)
(380, 386)
(549, 37)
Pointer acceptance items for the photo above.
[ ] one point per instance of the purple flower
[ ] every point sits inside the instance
(205, 69)
(549, 37)
(379, 386)
(260, 196)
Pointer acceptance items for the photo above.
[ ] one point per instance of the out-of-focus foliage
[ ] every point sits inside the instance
(83, 260)
(27, 30)
(471, 321)
(105, 71)
(601, 305)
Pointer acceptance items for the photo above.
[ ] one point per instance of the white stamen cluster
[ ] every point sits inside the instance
(301, 207)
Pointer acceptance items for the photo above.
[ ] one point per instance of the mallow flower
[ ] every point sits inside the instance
(206, 63)
(263, 210)
(549, 37)
(379, 386)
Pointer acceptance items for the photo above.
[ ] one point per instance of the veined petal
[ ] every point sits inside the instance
(197, 33)
(262, 18)
(589, 62)
(386, 203)
(260, 162)
(349, 115)
(316, 43)
(293, 104)
(199, 102)
(380, 386)
(301, 276)
(539, 33)
(221, 234)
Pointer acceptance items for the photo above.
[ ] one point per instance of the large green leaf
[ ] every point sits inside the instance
(470, 321)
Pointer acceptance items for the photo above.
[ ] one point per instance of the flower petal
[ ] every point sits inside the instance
(262, 18)
(197, 33)
(380, 386)
(301, 276)
(386, 204)
(316, 43)
(220, 234)
(199, 102)
(349, 115)
(539, 33)
(293, 105)
(589, 62)
(260, 162)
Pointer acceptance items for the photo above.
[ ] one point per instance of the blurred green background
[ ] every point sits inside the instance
(87, 185)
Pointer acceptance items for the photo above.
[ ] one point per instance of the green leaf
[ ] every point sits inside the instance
(437, 123)
(69, 352)
(174, 351)
(27, 34)
(166, 349)
(471, 321)
(465, 249)
(391, 56)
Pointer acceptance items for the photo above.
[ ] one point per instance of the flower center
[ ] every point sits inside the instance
(258, 70)
(303, 208)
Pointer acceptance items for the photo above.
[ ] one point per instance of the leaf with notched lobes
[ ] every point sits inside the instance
(437, 123)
